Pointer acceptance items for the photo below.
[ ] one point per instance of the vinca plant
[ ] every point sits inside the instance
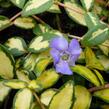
(54, 54)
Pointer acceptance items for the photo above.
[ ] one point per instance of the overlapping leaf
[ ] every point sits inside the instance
(36, 7)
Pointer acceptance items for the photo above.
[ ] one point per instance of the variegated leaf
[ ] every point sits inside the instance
(36, 7)
(87, 4)
(76, 12)
(96, 36)
(19, 3)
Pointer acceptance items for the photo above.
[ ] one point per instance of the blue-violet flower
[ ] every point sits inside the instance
(64, 54)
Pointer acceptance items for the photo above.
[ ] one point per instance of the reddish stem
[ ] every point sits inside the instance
(93, 89)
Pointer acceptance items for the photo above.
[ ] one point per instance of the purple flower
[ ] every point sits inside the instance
(64, 54)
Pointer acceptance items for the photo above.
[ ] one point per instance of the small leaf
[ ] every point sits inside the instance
(34, 86)
(19, 62)
(19, 3)
(47, 96)
(104, 61)
(102, 94)
(35, 105)
(23, 99)
(54, 8)
(16, 45)
(41, 28)
(80, 94)
(41, 65)
(23, 75)
(25, 22)
(15, 84)
(81, 58)
(36, 7)
(41, 43)
(104, 48)
(86, 73)
(7, 67)
(38, 44)
(91, 60)
(4, 91)
(100, 77)
(30, 62)
(4, 22)
(96, 36)
(77, 14)
(47, 78)
(87, 5)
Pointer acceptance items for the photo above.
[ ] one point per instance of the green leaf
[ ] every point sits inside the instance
(83, 98)
(77, 13)
(23, 75)
(96, 36)
(4, 22)
(87, 4)
(16, 45)
(54, 8)
(7, 68)
(48, 78)
(36, 7)
(86, 73)
(41, 43)
(35, 105)
(15, 84)
(38, 44)
(104, 48)
(25, 22)
(81, 58)
(18, 3)
(102, 94)
(4, 91)
(23, 99)
(91, 60)
(92, 19)
(41, 65)
(100, 77)
(41, 28)
(47, 96)
(66, 95)
(30, 62)
(19, 62)
(34, 85)
(104, 61)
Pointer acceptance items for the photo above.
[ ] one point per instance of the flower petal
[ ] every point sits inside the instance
(63, 68)
(56, 55)
(59, 43)
(73, 59)
(74, 47)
